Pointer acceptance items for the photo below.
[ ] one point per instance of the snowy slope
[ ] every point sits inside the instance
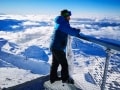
(13, 76)
(25, 55)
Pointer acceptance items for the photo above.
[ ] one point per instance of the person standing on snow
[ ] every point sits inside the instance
(58, 45)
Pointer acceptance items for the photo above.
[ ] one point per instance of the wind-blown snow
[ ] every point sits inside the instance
(35, 52)
(24, 49)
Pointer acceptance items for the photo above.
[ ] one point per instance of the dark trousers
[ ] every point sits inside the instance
(59, 58)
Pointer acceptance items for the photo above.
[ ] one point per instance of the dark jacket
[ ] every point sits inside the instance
(61, 30)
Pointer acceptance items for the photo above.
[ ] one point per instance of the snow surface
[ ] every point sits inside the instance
(25, 55)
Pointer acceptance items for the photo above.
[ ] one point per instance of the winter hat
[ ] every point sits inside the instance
(65, 13)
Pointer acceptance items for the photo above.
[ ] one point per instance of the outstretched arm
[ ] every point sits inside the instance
(69, 30)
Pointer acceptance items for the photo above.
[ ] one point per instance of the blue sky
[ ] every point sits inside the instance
(78, 7)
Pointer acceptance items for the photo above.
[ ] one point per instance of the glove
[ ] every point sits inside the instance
(79, 30)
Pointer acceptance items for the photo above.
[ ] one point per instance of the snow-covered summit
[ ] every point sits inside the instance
(24, 49)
